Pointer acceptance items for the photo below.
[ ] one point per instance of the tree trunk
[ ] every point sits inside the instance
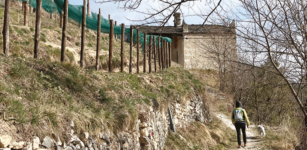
(6, 31)
(65, 19)
(37, 27)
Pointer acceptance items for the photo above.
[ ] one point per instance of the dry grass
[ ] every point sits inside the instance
(199, 136)
(280, 138)
(44, 97)
(22, 41)
(210, 76)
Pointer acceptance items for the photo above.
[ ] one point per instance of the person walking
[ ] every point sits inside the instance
(240, 120)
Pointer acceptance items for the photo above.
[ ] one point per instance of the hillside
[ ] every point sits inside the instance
(46, 104)
(21, 44)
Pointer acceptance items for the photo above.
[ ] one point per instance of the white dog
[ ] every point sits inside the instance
(261, 131)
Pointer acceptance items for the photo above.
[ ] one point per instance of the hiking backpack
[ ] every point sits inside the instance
(238, 114)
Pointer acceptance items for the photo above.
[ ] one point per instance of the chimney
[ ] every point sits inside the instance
(233, 24)
(177, 19)
(185, 27)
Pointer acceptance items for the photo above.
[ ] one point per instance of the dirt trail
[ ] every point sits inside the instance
(253, 140)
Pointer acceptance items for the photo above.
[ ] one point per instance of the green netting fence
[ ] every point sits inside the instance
(75, 13)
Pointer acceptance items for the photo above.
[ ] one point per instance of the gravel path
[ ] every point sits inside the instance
(253, 140)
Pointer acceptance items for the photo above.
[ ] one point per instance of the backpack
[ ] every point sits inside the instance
(238, 114)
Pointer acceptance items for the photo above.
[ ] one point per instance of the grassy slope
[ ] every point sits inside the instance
(46, 93)
(43, 96)
(22, 40)
(39, 92)
(214, 135)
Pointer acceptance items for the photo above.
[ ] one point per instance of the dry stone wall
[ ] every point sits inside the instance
(148, 133)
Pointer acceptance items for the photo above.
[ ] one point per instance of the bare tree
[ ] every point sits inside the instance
(220, 52)
(162, 14)
(281, 36)
(277, 29)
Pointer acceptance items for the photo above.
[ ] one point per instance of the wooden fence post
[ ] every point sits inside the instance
(109, 17)
(162, 53)
(122, 38)
(61, 19)
(145, 45)
(115, 35)
(138, 51)
(37, 27)
(65, 19)
(17, 16)
(6, 26)
(98, 39)
(51, 13)
(149, 53)
(25, 13)
(170, 54)
(88, 8)
(166, 54)
(83, 34)
(111, 45)
(131, 45)
(159, 52)
(154, 52)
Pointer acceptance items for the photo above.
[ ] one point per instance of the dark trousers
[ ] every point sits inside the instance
(240, 125)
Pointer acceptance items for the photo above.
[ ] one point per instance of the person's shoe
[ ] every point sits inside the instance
(239, 146)
(245, 145)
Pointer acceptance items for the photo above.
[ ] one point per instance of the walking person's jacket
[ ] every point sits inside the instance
(244, 115)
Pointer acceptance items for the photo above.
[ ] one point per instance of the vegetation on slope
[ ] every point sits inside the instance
(42, 96)
(36, 93)
(22, 40)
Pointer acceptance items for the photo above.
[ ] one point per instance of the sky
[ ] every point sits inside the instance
(123, 16)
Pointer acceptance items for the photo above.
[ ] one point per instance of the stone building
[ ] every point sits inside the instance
(198, 46)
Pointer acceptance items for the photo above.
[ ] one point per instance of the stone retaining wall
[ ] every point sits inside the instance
(149, 132)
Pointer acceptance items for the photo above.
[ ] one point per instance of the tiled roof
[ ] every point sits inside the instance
(191, 29)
